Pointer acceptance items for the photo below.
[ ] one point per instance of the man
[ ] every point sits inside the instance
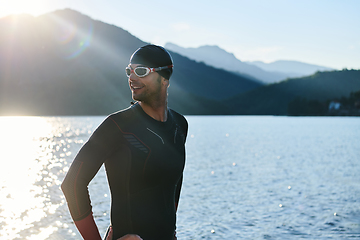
(143, 150)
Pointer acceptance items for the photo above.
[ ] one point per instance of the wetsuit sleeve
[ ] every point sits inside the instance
(177, 192)
(184, 127)
(104, 142)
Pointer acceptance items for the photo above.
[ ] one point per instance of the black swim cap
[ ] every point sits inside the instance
(153, 56)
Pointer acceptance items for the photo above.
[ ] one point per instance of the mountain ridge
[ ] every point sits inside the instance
(295, 68)
(65, 63)
(265, 72)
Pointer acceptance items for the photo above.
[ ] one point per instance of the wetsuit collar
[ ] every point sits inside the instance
(165, 125)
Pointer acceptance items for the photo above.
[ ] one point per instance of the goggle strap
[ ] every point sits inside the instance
(161, 68)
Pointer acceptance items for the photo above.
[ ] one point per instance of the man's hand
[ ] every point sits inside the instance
(130, 237)
(126, 237)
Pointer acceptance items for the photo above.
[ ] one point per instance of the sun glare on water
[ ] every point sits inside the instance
(24, 198)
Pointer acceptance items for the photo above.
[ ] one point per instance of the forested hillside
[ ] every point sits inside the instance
(274, 99)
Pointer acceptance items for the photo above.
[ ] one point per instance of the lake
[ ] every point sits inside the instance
(246, 177)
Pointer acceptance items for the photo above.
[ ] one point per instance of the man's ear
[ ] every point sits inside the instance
(165, 82)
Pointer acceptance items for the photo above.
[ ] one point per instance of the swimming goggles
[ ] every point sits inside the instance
(142, 71)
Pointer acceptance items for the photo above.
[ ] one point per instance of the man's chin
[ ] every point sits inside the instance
(136, 98)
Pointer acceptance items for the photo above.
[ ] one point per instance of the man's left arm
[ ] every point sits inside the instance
(177, 197)
(177, 192)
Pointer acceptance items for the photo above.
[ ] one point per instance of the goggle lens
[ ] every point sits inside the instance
(128, 71)
(141, 71)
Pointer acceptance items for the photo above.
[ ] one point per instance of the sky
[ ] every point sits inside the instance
(321, 32)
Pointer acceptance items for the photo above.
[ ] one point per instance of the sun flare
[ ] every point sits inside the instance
(35, 7)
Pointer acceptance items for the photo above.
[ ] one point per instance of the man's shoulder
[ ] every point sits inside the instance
(124, 115)
(179, 118)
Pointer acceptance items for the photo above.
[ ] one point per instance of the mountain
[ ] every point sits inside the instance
(65, 63)
(291, 68)
(274, 99)
(219, 58)
(265, 72)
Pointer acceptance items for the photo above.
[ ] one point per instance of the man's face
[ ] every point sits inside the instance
(145, 89)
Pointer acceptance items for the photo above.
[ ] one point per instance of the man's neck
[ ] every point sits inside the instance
(158, 112)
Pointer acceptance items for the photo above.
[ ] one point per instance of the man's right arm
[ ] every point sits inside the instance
(86, 164)
(87, 228)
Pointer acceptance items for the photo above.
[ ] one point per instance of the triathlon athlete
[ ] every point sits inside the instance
(143, 150)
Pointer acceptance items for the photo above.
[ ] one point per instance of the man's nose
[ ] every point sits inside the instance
(132, 77)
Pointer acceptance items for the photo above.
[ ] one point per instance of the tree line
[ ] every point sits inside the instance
(344, 106)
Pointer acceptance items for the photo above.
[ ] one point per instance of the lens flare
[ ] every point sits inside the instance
(66, 33)
(83, 43)
(73, 37)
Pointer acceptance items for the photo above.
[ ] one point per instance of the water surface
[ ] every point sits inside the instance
(246, 177)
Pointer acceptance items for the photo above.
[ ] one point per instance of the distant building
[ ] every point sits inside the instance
(334, 105)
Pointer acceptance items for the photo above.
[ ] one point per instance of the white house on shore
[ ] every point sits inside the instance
(334, 105)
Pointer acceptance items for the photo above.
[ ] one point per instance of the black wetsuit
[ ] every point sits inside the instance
(144, 161)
